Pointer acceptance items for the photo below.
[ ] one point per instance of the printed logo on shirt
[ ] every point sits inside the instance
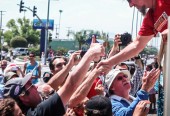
(161, 22)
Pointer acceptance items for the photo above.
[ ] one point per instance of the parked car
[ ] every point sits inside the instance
(20, 51)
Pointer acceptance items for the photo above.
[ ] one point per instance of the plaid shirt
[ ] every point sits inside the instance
(136, 80)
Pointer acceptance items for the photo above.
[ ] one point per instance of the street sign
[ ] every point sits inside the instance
(37, 24)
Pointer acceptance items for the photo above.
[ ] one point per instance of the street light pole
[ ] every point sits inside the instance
(59, 24)
(46, 32)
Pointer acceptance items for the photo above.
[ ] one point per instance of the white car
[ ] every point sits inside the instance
(20, 51)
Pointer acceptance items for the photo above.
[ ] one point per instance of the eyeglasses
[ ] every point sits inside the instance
(60, 64)
(25, 92)
(31, 56)
(119, 78)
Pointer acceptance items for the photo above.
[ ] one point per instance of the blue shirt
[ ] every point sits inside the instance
(123, 107)
(29, 68)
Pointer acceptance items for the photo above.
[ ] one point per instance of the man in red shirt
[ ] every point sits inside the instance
(154, 21)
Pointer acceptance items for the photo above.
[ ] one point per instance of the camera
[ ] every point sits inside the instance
(82, 53)
(125, 38)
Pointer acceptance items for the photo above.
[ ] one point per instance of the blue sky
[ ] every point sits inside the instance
(110, 16)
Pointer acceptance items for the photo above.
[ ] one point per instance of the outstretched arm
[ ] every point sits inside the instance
(82, 91)
(131, 50)
(59, 78)
(77, 75)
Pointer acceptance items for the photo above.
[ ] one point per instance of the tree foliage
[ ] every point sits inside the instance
(83, 35)
(22, 27)
(150, 51)
(18, 41)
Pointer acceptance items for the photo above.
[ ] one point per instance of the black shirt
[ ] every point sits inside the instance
(53, 106)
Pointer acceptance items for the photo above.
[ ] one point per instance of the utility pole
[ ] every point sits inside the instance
(46, 32)
(1, 31)
(1, 18)
(24, 12)
(56, 36)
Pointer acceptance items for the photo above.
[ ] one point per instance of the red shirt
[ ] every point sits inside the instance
(152, 17)
(92, 91)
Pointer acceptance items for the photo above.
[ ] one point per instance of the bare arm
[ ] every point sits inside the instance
(149, 79)
(59, 78)
(24, 69)
(76, 76)
(115, 47)
(82, 91)
(131, 50)
(39, 71)
(128, 52)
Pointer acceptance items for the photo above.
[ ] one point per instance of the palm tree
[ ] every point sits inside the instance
(80, 37)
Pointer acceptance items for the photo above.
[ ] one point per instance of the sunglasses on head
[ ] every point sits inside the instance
(119, 78)
(60, 64)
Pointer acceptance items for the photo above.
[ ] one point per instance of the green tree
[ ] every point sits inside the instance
(150, 50)
(80, 37)
(22, 27)
(61, 51)
(8, 36)
(83, 35)
(18, 41)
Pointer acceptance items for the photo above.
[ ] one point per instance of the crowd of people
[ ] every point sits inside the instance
(96, 84)
(76, 86)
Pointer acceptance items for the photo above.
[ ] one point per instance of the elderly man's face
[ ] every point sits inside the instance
(120, 84)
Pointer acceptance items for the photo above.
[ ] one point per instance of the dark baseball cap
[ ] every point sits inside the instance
(14, 86)
(98, 106)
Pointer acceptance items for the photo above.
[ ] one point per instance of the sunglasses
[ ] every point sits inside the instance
(31, 56)
(25, 91)
(60, 64)
(119, 78)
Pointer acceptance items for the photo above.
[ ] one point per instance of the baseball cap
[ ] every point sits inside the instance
(98, 106)
(14, 86)
(9, 75)
(112, 75)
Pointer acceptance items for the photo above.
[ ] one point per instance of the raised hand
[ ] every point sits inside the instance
(149, 79)
(96, 50)
(70, 112)
(141, 108)
(99, 88)
(103, 62)
(74, 59)
(117, 41)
